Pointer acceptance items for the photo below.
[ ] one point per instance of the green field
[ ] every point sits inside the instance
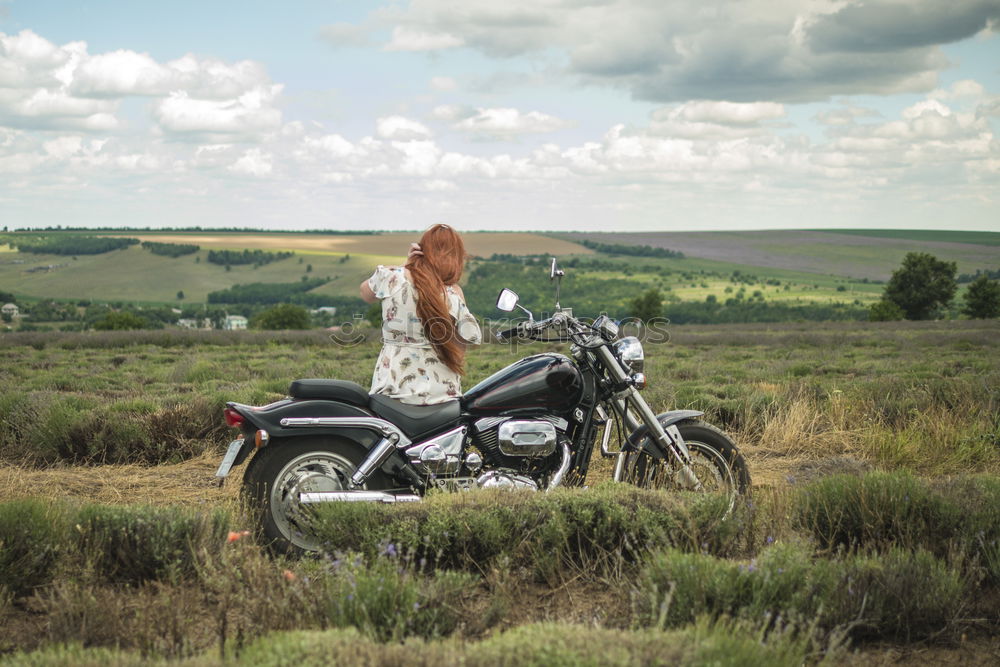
(873, 527)
(935, 236)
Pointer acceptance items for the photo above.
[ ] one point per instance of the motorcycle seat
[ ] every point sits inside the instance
(330, 390)
(414, 420)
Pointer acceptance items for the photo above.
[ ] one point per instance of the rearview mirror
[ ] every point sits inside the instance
(506, 300)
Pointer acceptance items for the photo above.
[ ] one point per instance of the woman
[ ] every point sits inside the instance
(425, 322)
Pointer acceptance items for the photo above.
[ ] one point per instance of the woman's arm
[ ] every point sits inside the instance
(367, 295)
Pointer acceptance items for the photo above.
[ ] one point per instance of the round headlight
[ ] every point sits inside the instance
(629, 350)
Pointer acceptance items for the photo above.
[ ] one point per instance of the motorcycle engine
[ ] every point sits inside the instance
(521, 445)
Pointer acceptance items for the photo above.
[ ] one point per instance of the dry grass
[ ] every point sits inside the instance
(482, 244)
(190, 483)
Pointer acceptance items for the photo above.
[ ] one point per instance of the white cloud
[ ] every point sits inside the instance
(506, 122)
(46, 86)
(443, 83)
(248, 114)
(401, 129)
(63, 147)
(254, 162)
(405, 39)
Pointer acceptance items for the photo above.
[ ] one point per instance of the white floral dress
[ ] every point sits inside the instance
(408, 368)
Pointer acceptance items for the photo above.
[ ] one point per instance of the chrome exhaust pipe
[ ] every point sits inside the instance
(355, 497)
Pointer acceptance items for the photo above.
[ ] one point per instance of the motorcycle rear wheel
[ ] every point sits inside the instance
(715, 460)
(278, 473)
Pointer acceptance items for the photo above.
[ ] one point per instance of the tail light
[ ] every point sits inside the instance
(233, 418)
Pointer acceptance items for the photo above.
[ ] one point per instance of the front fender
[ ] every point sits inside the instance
(666, 419)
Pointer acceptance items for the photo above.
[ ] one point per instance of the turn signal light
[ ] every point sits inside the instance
(639, 379)
(260, 438)
(233, 418)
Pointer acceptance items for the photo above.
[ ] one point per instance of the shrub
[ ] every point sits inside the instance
(876, 510)
(33, 536)
(896, 595)
(388, 601)
(592, 530)
(135, 544)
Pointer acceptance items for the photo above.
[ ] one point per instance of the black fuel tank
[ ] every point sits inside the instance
(550, 382)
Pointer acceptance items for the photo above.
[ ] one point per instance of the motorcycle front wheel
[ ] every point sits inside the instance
(715, 460)
(280, 472)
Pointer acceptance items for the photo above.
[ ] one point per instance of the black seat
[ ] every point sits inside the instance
(330, 390)
(414, 420)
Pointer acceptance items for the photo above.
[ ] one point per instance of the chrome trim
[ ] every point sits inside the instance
(356, 497)
(227, 461)
(502, 479)
(563, 467)
(527, 437)
(378, 455)
(448, 458)
(606, 436)
(488, 422)
(381, 426)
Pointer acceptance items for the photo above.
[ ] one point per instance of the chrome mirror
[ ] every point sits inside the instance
(507, 300)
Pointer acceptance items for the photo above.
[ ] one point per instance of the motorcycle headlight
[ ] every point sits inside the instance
(629, 350)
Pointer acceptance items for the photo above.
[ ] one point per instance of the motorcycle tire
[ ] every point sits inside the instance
(716, 461)
(279, 471)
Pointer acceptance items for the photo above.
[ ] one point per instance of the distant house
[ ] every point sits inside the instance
(10, 309)
(329, 310)
(187, 323)
(234, 322)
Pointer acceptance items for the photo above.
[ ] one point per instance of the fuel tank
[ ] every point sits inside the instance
(544, 382)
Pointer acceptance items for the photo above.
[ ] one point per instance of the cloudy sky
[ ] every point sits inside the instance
(520, 114)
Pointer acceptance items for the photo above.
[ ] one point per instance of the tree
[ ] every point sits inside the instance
(884, 311)
(982, 299)
(282, 316)
(180, 295)
(922, 285)
(647, 306)
(120, 322)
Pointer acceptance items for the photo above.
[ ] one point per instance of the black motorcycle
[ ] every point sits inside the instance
(532, 425)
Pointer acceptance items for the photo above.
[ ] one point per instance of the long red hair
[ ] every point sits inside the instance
(440, 265)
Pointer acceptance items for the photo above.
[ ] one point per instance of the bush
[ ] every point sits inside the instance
(135, 544)
(170, 249)
(553, 535)
(388, 602)
(33, 536)
(896, 595)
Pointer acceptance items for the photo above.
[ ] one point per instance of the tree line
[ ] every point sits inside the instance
(633, 250)
(170, 249)
(71, 245)
(239, 257)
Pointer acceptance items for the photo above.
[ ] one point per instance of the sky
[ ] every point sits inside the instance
(565, 115)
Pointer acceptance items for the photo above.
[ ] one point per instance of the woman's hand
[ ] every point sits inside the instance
(415, 251)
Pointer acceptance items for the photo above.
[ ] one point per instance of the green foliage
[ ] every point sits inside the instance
(282, 316)
(922, 285)
(240, 257)
(633, 250)
(121, 321)
(982, 299)
(388, 602)
(265, 293)
(895, 595)
(886, 510)
(648, 306)
(131, 545)
(170, 249)
(72, 244)
(593, 530)
(885, 310)
(33, 536)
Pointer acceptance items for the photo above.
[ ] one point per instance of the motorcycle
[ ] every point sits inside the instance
(532, 425)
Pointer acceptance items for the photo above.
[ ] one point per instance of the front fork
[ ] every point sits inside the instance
(669, 439)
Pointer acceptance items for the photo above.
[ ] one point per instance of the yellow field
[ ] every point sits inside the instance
(482, 244)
